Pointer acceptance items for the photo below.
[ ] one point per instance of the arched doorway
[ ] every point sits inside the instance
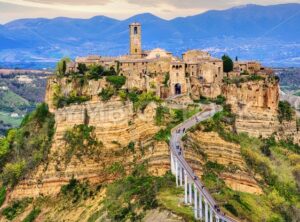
(177, 89)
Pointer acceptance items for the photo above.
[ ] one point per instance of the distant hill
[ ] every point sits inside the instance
(267, 33)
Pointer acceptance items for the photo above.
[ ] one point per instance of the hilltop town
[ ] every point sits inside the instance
(101, 148)
(196, 74)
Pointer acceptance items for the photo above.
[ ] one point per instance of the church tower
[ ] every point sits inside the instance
(135, 39)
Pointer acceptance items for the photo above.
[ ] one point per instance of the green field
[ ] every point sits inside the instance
(6, 118)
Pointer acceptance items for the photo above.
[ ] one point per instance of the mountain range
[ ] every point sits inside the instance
(267, 33)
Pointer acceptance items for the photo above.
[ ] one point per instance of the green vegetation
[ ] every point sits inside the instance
(297, 93)
(107, 93)
(116, 81)
(76, 191)
(285, 111)
(171, 118)
(227, 63)
(25, 148)
(128, 198)
(16, 208)
(60, 100)
(168, 198)
(32, 215)
(2, 195)
(81, 141)
(61, 66)
(166, 80)
(242, 79)
(276, 164)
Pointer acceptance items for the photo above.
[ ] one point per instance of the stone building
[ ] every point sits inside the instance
(197, 73)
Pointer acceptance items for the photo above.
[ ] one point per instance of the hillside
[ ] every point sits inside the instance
(250, 32)
(20, 91)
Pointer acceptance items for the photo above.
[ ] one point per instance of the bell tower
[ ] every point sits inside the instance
(135, 39)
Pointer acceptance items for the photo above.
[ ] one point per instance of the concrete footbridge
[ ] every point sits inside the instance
(204, 206)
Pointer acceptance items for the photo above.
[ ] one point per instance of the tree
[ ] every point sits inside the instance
(82, 68)
(227, 63)
(61, 66)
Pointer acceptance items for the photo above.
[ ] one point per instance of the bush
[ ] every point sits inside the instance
(116, 81)
(12, 172)
(16, 208)
(80, 141)
(95, 72)
(28, 146)
(32, 215)
(2, 195)
(285, 111)
(77, 191)
(106, 94)
(130, 197)
(161, 112)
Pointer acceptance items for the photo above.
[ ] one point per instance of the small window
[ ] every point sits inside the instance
(135, 50)
(135, 30)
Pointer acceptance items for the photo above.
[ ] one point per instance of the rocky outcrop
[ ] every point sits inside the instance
(201, 147)
(116, 125)
(255, 104)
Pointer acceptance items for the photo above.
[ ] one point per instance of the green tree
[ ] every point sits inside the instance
(82, 68)
(285, 111)
(227, 63)
(61, 66)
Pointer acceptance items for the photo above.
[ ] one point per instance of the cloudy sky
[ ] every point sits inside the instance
(120, 9)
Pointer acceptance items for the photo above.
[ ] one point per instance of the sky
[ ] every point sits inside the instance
(119, 9)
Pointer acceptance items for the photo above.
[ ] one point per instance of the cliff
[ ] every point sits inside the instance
(203, 147)
(255, 104)
(116, 125)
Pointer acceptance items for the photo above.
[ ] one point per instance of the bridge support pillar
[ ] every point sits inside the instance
(185, 188)
(180, 175)
(217, 219)
(210, 215)
(206, 211)
(200, 206)
(176, 172)
(196, 203)
(190, 192)
(172, 163)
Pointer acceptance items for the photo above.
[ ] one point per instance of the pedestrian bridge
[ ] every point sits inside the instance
(195, 194)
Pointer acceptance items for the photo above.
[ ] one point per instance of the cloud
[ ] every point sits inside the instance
(71, 2)
(183, 4)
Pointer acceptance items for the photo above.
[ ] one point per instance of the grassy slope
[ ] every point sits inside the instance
(274, 174)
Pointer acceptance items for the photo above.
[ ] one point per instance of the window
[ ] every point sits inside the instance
(135, 50)
(135, 30)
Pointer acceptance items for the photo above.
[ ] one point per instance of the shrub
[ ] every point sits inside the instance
(81, 140)
(2, 195)
(161, 111)
(76, 191)
(116, 81)
(95, 72)
(28, 145)
(285, 111)
(32, 215)
(16, 208)
(166, 80)
(107, 93)
(144, 99)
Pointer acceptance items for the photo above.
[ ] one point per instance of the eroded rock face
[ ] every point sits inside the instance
(201, 147)
(116, 125)
(255, 104)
